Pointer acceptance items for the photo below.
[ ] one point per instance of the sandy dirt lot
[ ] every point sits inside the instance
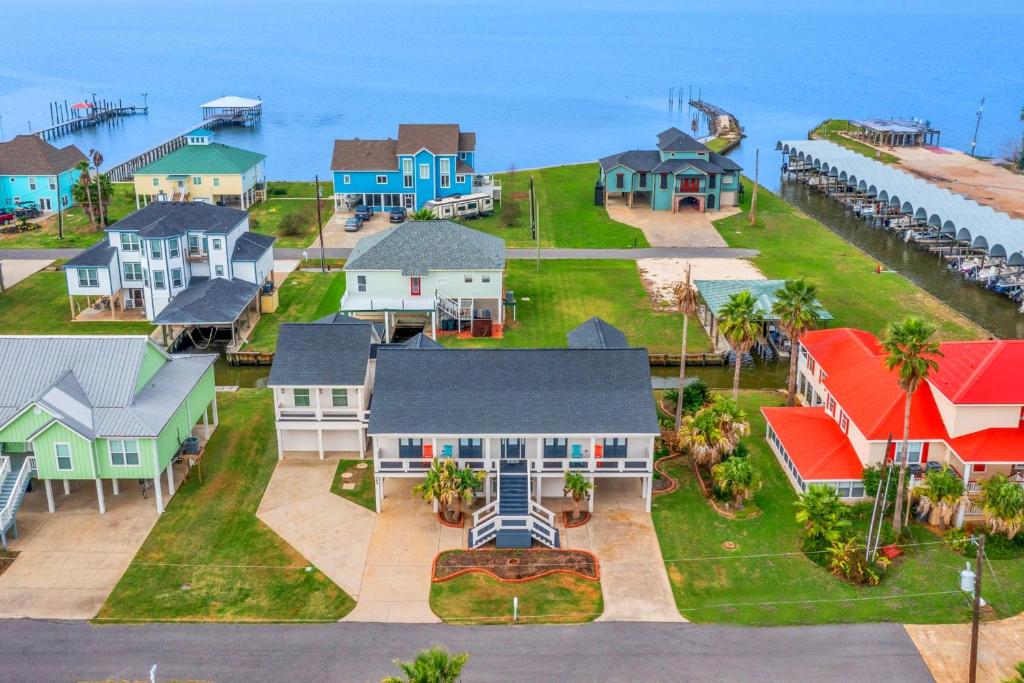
(660, 275)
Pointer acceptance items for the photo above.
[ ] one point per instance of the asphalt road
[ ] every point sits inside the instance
(652, 252)
(75, 651)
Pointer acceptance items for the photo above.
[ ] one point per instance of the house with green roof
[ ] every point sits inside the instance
(203, 171)
(715, 294)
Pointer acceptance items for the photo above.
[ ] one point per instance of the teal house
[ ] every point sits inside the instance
(34, 172)
(681, 174)
(97, 408)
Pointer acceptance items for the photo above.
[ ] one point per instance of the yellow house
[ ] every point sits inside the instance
(203, 171)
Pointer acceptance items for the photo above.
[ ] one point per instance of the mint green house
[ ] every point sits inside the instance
(680, 174)
(100, 408)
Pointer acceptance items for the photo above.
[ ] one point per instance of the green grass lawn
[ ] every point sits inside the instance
(303, 297)
(553, 599)
(77, 232)
(566, 292)
(568, 217)
(266, 218)
(712, 584)
(793, 245)
(209, 557)
(830, 130)
(39, 305)
(304, 189)
(362, 494)
(718, 144)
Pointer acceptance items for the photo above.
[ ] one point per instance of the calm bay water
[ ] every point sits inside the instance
(541, 81)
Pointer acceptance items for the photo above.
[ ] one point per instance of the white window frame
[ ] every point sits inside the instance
(216, 242)
(57, 456)
(159, 280)
(446, 173)
(460, 178)
(382, 180)
(485, 279)
(219, 271)
(130, 242)
(123, 452)
(346, 179)
(360, 283)
(173, 250)
(32, 184)
(424, 171)
(197, 180)
(53, 182)
(156, 248)
(301, 392)
(216, 182)
(89, 283)
(156, 182)
(135, 275)
(177, 278)
(468, 279)
(343, 396)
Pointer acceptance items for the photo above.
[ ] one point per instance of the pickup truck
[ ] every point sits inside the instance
(6, 216)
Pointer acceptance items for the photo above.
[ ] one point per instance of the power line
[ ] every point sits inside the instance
(804, 602)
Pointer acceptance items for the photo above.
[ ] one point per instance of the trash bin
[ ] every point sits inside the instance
(191, 445)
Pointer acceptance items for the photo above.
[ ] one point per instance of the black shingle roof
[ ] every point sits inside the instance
(98, 254)
(512, 391)
(421, 341)
(250, 246)
(597, 334)
(321, 354)
(166, 219)
(208, 301)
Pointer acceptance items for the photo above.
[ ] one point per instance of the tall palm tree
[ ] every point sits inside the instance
(713, 431)
(433, 665)
(739, 322)
(440, 486)
(911, 352)
(797, 309)
(85, 181)
(686, 300)
(97, 159)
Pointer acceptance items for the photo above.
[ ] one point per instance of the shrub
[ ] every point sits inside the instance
(846, 559)
(276, 191)
(695, 395)
(823, 515)
(1003, 503)
(957, 541)
(254, 223)
(510, 213)
(294, 224)
(871, 478)
(741, 451)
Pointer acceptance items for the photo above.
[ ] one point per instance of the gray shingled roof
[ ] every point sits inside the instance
(30, 155)
(167, 219)
(724, 162)
(676, 165)
(89, 383)
(597, 334)
(635, 160)
(98, 254)
(250, 246)
(208, 301)
(421, 341)
(321, 354)
(417, 247)
(675, 140)
(512, 391)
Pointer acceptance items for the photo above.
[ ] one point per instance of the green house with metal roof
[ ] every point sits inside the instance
(203, 171)
(715, 294)
(105, 409)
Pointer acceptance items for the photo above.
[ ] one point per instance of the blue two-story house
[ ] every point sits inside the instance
(680, 174)
(32, 171)
(428, 161)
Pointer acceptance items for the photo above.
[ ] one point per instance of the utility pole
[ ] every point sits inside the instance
(753, 196)
(60, 212)
(319, 223)
(977, 125)
(535, 219)
(975, 625)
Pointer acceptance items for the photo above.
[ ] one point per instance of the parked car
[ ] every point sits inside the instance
(364, 212)
(6, 216)
(353, 224)
(396, 215)
(27, 210)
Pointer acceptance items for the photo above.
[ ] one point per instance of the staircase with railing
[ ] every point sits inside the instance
(513, 520)
(13, 484)
(460, 310)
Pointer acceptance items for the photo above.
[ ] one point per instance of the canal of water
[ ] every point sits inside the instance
(995, 312)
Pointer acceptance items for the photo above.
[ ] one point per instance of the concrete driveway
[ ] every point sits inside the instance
(946, 648)
(13, 271)
(70, 560)
(667, 229)
(336, 237)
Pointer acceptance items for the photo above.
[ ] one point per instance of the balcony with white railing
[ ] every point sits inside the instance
(356, 302)
(487, 184)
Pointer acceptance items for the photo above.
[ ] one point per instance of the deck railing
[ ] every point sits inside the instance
(632, 464)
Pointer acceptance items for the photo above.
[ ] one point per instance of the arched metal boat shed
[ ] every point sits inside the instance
(953, 215)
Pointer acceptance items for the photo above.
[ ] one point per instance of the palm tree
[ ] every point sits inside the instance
(911, 352)
(686, 300)
(422, 215)
(440, 486)
(1003, 503)
(465, 481)
(434, 665)
(796, 306)
(822, 513)
(577, 486)
(85, 181)
(731, 420)
(97, 160)
(942, 494)
(736, 476)
(738, 321)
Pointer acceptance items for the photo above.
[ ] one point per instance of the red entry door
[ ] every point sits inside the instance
(414, 286)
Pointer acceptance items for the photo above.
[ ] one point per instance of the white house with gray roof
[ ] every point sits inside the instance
(426, 273)
(178, 263)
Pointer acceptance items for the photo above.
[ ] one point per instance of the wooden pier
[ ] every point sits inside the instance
(720, 123)
(70, 118)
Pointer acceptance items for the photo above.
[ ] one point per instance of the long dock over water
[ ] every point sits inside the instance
(719, 121)
(66, 119)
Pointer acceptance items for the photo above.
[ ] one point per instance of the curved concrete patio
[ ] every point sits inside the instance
(666, 229)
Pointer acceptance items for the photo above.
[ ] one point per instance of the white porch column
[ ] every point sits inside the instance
(320, 442)
(213, 404)
(967, 480)
(540, 493)
(433, 446)
(487, 490)
(317, 407)
(170, 479)
(159, 495)
(206, 425)
(280, 452)
(117, 490)
(362, 443)
(593, 488)
(487, 452)
(378, 491)
(387, 325)
(433, 325)
(99, 496)
(650, 491)
(67, 487)
(49, 495)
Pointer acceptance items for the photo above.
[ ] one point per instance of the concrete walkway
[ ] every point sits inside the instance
(331, 532)
(13, 271)
(946, 648)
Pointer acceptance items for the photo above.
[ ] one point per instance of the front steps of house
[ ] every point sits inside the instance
(513, 520)
(14, 481)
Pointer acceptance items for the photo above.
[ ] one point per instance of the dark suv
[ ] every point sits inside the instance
(364, 212)
(396, 215)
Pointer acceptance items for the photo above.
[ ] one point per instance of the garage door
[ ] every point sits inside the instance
(341, 441)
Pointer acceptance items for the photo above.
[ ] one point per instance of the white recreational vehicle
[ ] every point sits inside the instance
(464, 206)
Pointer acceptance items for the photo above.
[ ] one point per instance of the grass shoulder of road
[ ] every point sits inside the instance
(303, 297)
(209, 558)
(361, 479)
(554, 599)
(39, 305)
(564, 293)
(271, 217)
(832, 129)
(767, 580)
(568, 216)
(792, 244)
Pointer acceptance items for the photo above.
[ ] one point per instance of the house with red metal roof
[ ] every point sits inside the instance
(967, 415)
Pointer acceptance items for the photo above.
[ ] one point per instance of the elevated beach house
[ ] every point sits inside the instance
(203, 171)
(680, 174)
(433, 274)
(96, 408)
(32, 171)
(175, 263)
(967, 415)
(428, 161)
(523, 416)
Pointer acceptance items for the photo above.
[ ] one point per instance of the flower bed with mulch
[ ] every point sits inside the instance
(746, 512)
(571, 523)
(666, 483)
(457, 524)
(515, 565)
